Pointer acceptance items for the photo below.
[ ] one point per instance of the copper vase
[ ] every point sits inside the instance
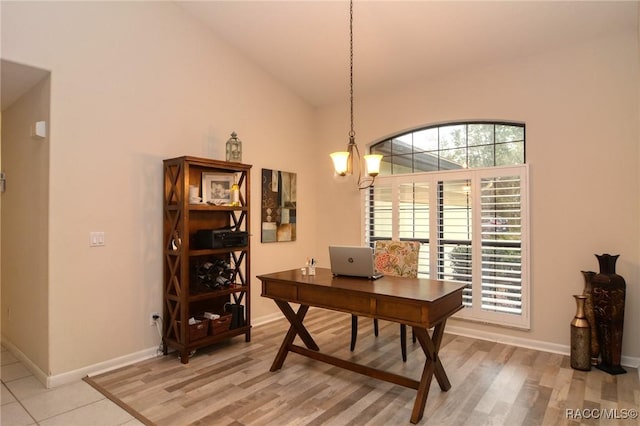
(608, 294)
(580, 337)
(588, 312)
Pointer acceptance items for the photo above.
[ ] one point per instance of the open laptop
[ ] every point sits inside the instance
(353, 261)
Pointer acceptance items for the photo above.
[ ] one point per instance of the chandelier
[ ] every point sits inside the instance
(343, 160)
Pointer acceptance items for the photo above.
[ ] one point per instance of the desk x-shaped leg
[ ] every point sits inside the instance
(296, 328)
(430, 346)
(432, 366)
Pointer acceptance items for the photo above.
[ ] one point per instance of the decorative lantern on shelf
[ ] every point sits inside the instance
(234, 149)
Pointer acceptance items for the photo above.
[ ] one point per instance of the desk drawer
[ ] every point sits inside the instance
(322, 297)
(400, 311)
(279, 290)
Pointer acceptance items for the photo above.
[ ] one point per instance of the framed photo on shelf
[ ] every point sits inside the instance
(216, 188)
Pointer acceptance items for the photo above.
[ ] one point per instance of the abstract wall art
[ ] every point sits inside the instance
(279, 206)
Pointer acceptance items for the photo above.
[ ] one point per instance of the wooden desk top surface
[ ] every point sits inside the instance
(418, 289)
(416, 302)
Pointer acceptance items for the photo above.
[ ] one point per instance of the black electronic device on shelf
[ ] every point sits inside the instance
(220, 238)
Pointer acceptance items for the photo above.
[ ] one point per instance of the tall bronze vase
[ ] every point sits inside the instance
(580, 337)
(588, 312)
(609, 290)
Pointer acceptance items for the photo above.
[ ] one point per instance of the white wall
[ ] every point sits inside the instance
(580, 106)
(133, 83)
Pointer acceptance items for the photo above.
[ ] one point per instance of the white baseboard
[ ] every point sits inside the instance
(101, 367)
(40, 375)
(507, 340)
(112, 364)
(54, 380)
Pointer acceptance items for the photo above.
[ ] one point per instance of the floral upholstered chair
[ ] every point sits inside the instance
(399, 259)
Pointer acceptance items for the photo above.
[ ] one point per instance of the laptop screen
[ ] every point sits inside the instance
(354, 261)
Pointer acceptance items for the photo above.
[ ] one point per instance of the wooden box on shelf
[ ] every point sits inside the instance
(199, 329)
(220, 325)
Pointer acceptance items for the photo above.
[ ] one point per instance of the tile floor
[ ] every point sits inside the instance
(25, 401)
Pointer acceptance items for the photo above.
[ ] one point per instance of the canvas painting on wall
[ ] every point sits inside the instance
(278, 212)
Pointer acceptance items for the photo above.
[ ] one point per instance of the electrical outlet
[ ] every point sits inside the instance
(153, 318)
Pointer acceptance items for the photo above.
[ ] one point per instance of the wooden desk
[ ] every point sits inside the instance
(420, 303)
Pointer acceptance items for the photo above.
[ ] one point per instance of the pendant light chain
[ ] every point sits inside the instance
(351, 133)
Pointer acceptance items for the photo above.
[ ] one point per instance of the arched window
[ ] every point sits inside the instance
(452, 146)
(460, 190)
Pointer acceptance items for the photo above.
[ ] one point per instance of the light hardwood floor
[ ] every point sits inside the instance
(492, 383)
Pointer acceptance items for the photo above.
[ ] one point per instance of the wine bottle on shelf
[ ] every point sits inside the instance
(235, 194)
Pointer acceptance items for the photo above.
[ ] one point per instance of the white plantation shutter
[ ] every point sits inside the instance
(472, 226)
(413, 223)
(501, 244)
(454, 234)
(380, 211)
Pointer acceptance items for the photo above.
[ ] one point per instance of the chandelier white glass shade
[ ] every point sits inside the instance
(373, 164)
(343, 160)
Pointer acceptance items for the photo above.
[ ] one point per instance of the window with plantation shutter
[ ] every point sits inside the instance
(472, 223)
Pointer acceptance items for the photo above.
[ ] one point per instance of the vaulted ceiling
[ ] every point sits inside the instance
(305, 44)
